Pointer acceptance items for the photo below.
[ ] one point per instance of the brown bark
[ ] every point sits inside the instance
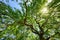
(41, 36)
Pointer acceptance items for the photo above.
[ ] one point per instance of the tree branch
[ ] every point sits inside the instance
(31, 26)
(32, 29)
(41, 29)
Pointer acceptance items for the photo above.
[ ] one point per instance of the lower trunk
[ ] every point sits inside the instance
(41, 38)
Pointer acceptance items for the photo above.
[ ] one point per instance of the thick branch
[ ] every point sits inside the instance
(41, 29)
(31, 26)
(32, 29)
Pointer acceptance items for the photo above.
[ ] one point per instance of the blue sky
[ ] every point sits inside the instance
(13, 4)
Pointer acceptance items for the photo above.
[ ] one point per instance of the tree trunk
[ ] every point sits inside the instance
(41, 37)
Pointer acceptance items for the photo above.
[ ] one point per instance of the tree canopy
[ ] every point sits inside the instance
(36, 20)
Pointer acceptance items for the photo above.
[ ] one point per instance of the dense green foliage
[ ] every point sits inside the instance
(37, 20)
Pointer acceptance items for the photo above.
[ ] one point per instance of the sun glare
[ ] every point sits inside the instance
(49, 1)
(44, 10)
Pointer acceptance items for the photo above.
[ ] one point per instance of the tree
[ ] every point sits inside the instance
(37, 16)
